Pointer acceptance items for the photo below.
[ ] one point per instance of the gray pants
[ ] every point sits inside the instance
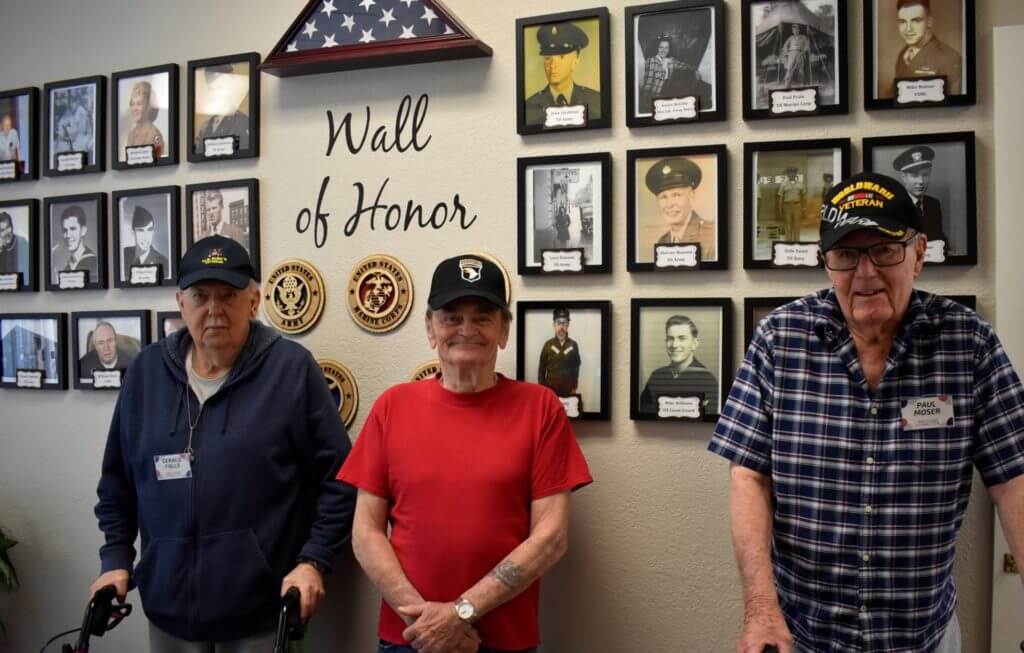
(161, 642)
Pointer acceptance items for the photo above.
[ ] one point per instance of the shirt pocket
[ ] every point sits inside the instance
(931, 471)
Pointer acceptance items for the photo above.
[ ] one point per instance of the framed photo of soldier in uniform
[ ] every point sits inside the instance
(794, 58)
(675, 57)
(786, 183)
(19, 135)
(145, 117)
(563, 72)
(167, 322)
(680, 358)
(19, 246)
(226, 208)
(919, 53)
(939, 173)
(677, 209)
(224, 108)
(146, 236)
(564, 210)
(565, 346)
(756, 309)
(104, 345)
(75, 116)
(76, 241)
(33, 351)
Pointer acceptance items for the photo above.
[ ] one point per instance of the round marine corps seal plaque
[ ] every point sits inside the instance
(379, 293)
(293, 296)
(342, 385)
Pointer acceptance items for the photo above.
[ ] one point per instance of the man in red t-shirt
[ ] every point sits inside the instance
(473, 472)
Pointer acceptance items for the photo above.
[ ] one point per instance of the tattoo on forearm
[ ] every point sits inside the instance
(508, 572)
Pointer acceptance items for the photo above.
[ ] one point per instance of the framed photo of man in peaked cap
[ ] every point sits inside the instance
(146, 236)
(224, 108)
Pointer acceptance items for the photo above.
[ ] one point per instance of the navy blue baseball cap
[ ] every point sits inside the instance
(216, 258)
(867, 201)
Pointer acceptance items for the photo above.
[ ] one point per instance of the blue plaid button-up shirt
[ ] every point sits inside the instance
(866, 513)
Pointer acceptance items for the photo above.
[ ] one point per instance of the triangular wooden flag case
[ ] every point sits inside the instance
(332, 35)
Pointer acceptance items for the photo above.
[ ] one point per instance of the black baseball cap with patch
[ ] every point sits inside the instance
(216, 258)
(467, 275)
(867, 201)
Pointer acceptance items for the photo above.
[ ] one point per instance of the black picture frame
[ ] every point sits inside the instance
(526, 122)
(78, 351)
(875, 100)
(810, 208)
(25, 224)
(530, 263)
(28, 137)
(59, 355)
(252, 219)
(808, 20)
(168, 274)
(885, 146)
(92, 283)
(636, 188)
(724, 345)
(636, 116)
(162, 320)
(603, 383)
(197, 152)
(98, 140)
(753, 307)
(169, 140)
(970, 301)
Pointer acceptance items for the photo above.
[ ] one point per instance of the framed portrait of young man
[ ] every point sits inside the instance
(33, 351)
(919, 53)
(146, 236)
(680, 358)
(794, 58)
(104, 345)
(19, 244)
(675, 62)
(938, 171)
(756, 309)
(145, 117)
(19, 135)
(74, 113)
(564, 213)
(75, 241)
(563, 71)
(225, 208)
(224, 108)
(167, 322)
(677, 209)
(566, 346)
(786, 183)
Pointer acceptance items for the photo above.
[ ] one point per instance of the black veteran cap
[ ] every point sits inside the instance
(673, 173)
(560, 38)
(468, 275)
(215, 258)
(867, 201)
(561, 314)
(915, 157)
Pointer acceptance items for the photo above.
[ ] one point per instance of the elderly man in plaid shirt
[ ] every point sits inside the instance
(852, 429)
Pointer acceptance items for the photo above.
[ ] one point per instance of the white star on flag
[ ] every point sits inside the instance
(367, 36)
(428, 15)
(407, 33)
(310, 28)
(348, 23)
(329, 8)
(292, 47)
(448, 29)
(366, 4)
(387, 17)
(329, 42)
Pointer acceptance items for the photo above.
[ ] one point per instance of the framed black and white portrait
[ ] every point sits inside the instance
(76, 241)
(566, 346)
(146, 229)
(938, 172)
(680, 358)
(756, 309)
(970, 301)
(563, 71)
(19, 244)
(104, 345)
(794, 58)
(76, 121)
(564, 216)
(786, 183)
(225, 208)
(224, 108)
(677, 209)
(919, 53)
(167, 322)
(145, 117)
(33, 351)
(19, 135)
(675, 62)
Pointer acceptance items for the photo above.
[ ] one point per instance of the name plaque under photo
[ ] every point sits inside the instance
(69, 161)
(72, 280)
(679, 109)
(794, 255)
(679, 255)
(573, 405)
(9, 170)
(935, 251)
(32, 379)
(921, 90)
(10, 282)
(794, 100)
(140, 155)
(106, 379)
(145, 275)
(220, 146)
(562, 260)
(573, 115)
(688, 407)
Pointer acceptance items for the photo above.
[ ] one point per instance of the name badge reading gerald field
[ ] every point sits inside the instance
(927, 413)
(172, 466)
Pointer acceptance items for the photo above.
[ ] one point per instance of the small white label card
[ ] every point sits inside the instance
(106, 379)
(72, 280)
(927, 413)
(681, 407)
(795, 100)
(172, 466)
(677, 108)
(921, 90)
(794, 255)
(223, 146)
(573, 405)
(69, 161)
(677, 256)
(9, 170)
(574, 115)
(561, 260)
(145, 275)
(935, 251)
(140, 155)
(10, 282)
(30, 379)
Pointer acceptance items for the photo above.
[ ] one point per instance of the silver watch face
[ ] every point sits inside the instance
(465, 610)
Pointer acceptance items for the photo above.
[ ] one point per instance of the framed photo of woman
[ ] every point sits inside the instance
(19, 135)
(145, 117)
(75, 116)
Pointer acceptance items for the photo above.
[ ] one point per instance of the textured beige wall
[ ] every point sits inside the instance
(651, 567)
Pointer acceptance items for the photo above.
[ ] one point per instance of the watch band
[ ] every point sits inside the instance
(316, 564)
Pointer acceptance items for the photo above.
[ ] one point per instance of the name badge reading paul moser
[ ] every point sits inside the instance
(173, 466)
(927, 413)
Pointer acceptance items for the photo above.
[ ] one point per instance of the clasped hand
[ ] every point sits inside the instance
(437, 629)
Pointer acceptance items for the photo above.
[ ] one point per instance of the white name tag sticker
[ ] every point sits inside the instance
(571, 405)
(106, 379)
(224, 146)
(802, 100)
(677, 256)
(794, 255)
(927, 413)
(935, 251)
(561, 260)
(139, 155)
(680, 407)
(172, 466)
(30, 379)
(680, 108)
(10, 282)
(72, 280)
(571, 116)
(70, 161)
(927, 90)
(8, 170)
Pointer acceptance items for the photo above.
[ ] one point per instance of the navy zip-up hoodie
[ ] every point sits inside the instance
(263, 491)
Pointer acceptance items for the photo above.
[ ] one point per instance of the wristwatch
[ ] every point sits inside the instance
(315, 564)
(465, 610)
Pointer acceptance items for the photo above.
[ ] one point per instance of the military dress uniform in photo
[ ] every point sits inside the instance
(791, 194)
(559, 367)
(555, 39)
(928, 207)
(693, 381)
(679, 172)
(933, 59)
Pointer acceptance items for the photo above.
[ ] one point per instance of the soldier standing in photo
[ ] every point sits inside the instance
(559, 367)
(791, 203)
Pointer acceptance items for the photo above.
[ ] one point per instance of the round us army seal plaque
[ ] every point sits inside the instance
(426, 370)
(293, 296)
(379, 293)
(342, 385)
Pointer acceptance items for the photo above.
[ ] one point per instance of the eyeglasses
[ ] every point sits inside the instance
(882, 255)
